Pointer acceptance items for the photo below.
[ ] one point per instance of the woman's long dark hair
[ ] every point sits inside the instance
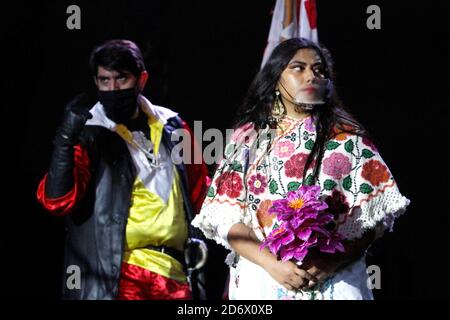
(258, 103)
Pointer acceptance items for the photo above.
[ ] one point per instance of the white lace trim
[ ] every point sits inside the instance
(385, 208)
(216, 219)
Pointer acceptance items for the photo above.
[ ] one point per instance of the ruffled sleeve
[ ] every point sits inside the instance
(359, 187)
(225, 203)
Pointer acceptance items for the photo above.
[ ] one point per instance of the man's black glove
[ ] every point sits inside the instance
(75, 116)
(60, 178)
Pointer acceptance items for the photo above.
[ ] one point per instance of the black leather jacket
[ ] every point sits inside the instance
(95, 231)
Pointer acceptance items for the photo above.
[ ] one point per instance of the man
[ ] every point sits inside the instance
(128, 207)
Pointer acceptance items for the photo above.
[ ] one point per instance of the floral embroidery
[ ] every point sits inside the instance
(284, 149)
(265, 219)
(348, 177)
(337, 165)
(257, 184)
(342, 133)
(229, 183)
(294, 167)
(375, 172)
(309, 125)
(342, 136)
(369, 143)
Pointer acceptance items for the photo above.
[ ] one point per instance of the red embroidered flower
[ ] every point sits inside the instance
(337, 165)
(257, 183)
(375, 172)
(294, 167)
(229, 183)
(265, 219)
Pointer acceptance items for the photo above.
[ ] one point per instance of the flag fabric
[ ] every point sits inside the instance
(303, 23)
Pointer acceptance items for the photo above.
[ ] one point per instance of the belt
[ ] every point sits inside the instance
(174, 253)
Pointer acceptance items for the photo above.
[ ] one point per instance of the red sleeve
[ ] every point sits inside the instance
(197, 174)
(64, 204)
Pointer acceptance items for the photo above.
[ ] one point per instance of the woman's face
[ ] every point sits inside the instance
(303, 80)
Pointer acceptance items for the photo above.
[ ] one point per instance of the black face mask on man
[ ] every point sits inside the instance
(119, 105)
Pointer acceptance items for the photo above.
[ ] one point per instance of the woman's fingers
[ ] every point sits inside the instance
(304, 274)
(314, 271)
(311, 284)
(297, 281)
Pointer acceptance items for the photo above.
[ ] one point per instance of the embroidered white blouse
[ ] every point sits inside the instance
(354, 180)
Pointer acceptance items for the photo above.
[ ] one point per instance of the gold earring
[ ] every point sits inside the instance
(278, 109)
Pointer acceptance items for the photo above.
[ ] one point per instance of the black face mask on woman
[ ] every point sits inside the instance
(119, 105)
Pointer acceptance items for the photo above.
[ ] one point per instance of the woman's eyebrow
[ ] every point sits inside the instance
(304, 63)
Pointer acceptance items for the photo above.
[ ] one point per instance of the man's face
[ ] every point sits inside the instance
(108, 80)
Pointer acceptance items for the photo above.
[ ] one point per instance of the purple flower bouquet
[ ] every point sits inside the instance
(302, 226)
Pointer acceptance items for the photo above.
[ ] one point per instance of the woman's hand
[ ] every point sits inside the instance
(244, 241)
(288, 274)
(321, 269)
(324, 265)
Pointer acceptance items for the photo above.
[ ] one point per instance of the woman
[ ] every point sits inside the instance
(293, 131)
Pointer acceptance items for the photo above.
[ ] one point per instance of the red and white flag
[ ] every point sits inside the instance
(291, 19)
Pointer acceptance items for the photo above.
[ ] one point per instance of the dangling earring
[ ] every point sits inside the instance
(278, 109)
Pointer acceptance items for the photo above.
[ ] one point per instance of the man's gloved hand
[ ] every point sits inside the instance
(75, 115)
(60, 179)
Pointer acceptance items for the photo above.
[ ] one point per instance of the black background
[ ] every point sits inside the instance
(201, 57)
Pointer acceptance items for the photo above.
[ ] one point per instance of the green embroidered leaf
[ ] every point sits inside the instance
(309, 180)
(347, 183)
(366, 153)
(365, 188)
(329, 184)
(309, 144)
(275, 226)
(332, 145)
(349, 145)
(211, 192)
(293, 186)
(236, 166)
(273, 187)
